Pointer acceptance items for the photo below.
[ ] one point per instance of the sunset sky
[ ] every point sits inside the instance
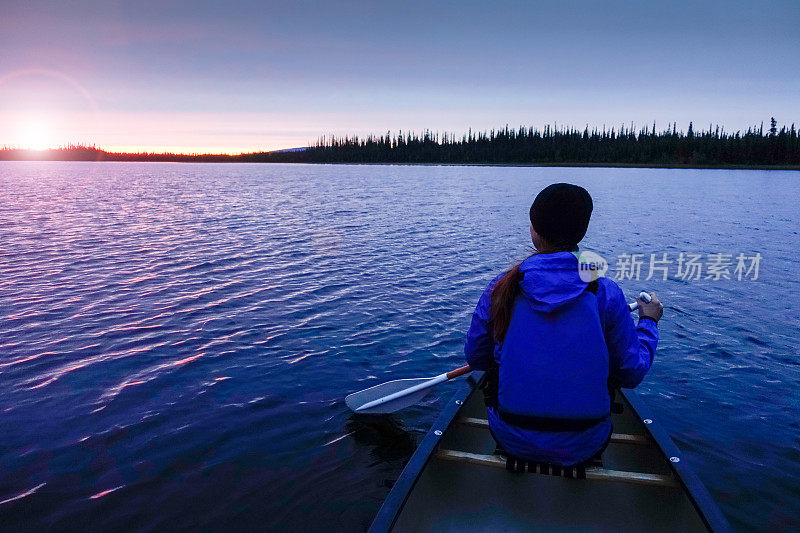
(247, 76)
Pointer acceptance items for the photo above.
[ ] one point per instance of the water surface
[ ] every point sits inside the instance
(176, 340)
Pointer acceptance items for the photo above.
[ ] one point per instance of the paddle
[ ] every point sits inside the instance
(398, 394)
(401, 393)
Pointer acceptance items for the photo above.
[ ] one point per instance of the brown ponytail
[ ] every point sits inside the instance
(504, 294)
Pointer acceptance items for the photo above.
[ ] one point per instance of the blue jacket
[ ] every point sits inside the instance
(561, 346)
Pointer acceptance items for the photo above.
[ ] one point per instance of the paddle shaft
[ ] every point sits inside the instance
(441, 378)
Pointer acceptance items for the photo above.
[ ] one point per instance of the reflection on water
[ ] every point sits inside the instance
(176, 340)
(384, 435)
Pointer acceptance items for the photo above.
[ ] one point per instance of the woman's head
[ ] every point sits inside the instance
(559, 219)
(560, 216)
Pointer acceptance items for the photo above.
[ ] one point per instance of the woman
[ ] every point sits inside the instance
(555, 343)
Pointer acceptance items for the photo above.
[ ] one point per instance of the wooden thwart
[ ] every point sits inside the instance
(592, 472)
(619, 438)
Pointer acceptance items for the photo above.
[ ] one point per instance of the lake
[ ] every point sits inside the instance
(176, 340)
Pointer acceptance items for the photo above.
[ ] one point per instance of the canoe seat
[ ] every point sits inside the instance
(618, 438)
(583, 472)
(519, 466)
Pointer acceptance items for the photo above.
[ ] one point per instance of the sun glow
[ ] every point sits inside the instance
(36, 133)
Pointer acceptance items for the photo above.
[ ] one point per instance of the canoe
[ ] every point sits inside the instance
(455, 482)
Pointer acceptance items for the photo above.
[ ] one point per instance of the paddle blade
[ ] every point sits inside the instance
(357, 399)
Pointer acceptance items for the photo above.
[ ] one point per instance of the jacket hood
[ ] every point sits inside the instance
(551, 280)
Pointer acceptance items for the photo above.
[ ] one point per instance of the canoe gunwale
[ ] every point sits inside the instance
(697, 492)
(393, 504)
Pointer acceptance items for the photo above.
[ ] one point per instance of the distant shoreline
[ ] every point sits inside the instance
(755, 149)
(580, 165)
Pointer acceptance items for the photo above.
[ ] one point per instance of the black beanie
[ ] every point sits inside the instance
(560, 214)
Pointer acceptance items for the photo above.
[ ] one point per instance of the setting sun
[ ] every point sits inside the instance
(36, 133)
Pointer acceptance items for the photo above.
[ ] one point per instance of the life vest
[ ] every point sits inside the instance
(553, 367)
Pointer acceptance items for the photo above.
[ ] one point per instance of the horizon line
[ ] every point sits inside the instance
(649, 129)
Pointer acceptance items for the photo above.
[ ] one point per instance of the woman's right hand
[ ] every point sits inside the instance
(652, 309)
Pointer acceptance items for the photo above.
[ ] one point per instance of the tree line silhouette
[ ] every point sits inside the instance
(73, 152)
(565, 145)
(552, 145)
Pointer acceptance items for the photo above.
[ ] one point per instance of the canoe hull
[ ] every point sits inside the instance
(453, 482)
